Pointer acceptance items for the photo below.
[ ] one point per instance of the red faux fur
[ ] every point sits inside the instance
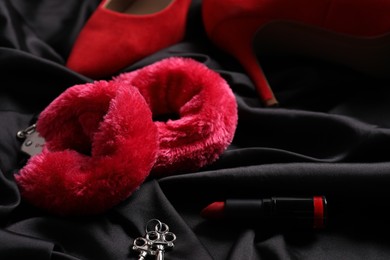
(205, 106)
(101, 144)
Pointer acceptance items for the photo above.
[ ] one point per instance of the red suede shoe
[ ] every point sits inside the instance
(120, 32)
(353, 33)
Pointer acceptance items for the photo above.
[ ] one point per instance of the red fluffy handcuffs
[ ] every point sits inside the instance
(103, 139)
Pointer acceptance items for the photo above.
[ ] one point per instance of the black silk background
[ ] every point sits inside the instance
(330, 136)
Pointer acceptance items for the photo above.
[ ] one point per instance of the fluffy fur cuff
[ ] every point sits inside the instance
(104, 138)
(201, 111)
(101, 144)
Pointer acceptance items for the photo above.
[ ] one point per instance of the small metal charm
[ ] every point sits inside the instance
(157, 239)
(33, 143)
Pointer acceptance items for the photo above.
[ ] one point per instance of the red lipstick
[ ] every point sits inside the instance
(311, 212)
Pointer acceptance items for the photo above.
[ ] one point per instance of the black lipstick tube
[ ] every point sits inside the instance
(308, 212)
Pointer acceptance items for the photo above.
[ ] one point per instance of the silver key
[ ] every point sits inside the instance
(158, 238)
(161, 239)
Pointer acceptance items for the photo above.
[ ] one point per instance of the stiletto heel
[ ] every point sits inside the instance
(348, 32)
(244, 52)
(121, 32)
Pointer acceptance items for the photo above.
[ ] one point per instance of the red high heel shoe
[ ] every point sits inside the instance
(354, 33)
(120, 32)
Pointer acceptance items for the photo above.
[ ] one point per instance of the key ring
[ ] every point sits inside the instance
(157, 225)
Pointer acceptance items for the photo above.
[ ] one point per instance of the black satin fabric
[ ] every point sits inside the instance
(330, 136)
